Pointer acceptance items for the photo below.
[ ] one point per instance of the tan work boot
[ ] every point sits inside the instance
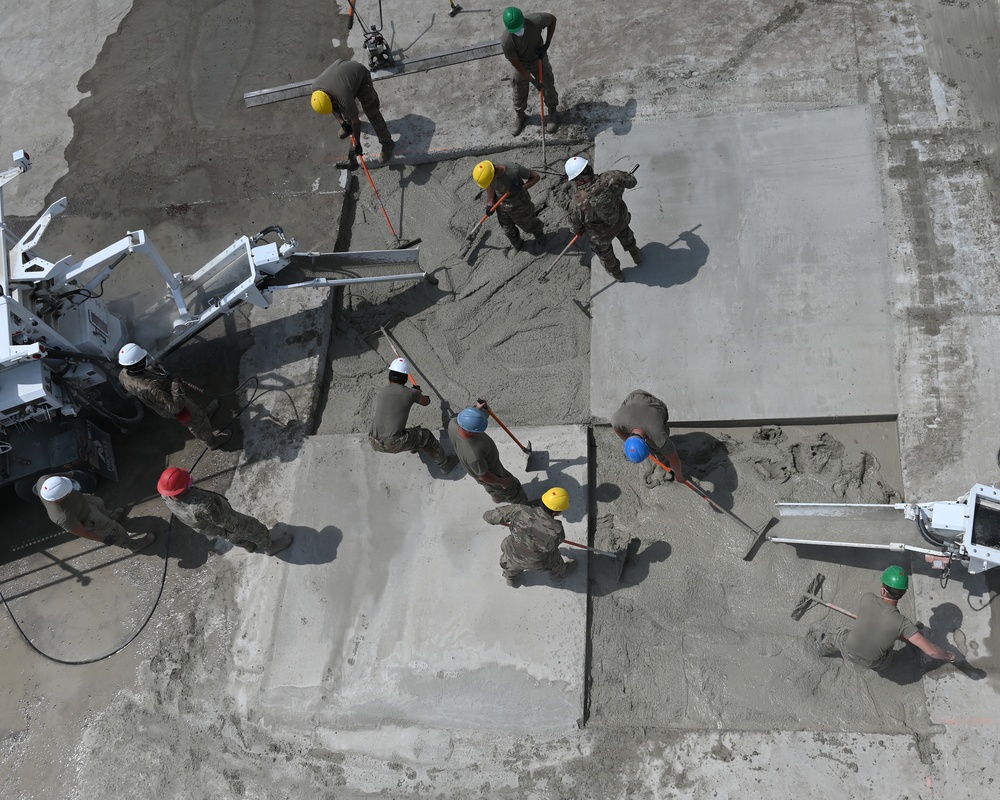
(636, 253)
(138, 541)
(513, 582)
(518, 124)
(279, 544)
(449, 465)
(552, 121)
(569, 566)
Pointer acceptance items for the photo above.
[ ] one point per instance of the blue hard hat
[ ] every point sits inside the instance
(636, 449)
(472, 420)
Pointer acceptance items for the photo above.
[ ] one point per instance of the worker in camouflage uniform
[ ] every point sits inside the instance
(872, 641)
(338, 90)
(516, 210)
(164, 394)
(389, 433)
(641, 423)
(211, 515)
(522, 45)
(535, 536)
(85, 515)
(598, 210)
(480, 457)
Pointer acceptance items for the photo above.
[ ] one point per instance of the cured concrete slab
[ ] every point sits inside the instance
(776, 306)
(397, 614)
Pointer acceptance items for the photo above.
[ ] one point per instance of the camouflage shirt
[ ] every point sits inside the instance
(534, 529)
(156, 390)
(598, 208)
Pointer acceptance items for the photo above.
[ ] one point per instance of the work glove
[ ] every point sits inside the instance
(346, 127)
(542, 50)
(535, 82)
(357, 148)
(489, 210)
(417, 387)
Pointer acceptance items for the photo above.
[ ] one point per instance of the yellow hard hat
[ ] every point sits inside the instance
(556, 499)
(321, 102)
(483, 173)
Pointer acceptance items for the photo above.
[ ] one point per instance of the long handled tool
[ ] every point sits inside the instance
(758, 535)
(471, 235)
(811, 596)
(544, 277)
(621, 557)
(455, 8)
(397, 244)
(350, 16)
(536, 462)
(541, 95)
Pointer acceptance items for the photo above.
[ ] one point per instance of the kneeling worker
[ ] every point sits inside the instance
(641, 422)
(211, 515)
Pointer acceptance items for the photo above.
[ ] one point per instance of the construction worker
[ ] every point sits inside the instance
(211, 515)
(338, 90)
(85, 515)
(523, 47)
(480, 457)
(164, 393)
(535, 536)
(517, 210)
(389, 433)
(641, 423)
(871, 641)
(598, 210)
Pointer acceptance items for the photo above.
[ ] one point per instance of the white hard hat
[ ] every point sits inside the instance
(131, 354)
(575, 166)
(400, 365)
(56, 488)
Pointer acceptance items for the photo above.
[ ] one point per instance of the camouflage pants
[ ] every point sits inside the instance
(515, 560)
(515, 494)
(240, 529)
(412, 439)
(200, 425)
(519, 212)
(368, 98)
(96, 520)
(601, 244)
(520, 87)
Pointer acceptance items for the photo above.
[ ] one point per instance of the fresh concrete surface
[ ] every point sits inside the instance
(144, 147)
(392, 610)
(778, 305)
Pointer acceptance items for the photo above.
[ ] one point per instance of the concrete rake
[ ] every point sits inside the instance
(621, 557)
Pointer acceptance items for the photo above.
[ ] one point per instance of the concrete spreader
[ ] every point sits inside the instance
(783, 290)
(393, 609)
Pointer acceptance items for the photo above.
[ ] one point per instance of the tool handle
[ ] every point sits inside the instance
(500, 423)
(590, 549)
(821, 601)
(631, 171)
(350, 16)
(493, 208)
(545, 275)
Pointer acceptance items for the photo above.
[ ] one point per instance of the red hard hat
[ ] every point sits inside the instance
(174, 481)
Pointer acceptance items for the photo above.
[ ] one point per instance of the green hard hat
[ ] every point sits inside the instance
(895, 578)
(513, 19)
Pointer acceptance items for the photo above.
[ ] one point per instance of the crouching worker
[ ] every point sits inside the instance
(85, 515)
(535, 536)
(211, 515)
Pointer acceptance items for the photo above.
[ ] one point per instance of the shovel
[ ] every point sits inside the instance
(621, 557)
(536, 462)
(471, 235)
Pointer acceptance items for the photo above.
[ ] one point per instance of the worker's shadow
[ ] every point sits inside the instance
(415, 135)
(705, 458)
(191, 549)
(670, 266)
(601, 116)
(309, 546)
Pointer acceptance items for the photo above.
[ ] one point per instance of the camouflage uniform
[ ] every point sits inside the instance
(79, 509)
(533, 543)
(517, 211)
(598, 210)
(211, 515)
(165, 395)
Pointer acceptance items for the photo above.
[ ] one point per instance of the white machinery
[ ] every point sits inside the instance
(966, 530)
(59, 342)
